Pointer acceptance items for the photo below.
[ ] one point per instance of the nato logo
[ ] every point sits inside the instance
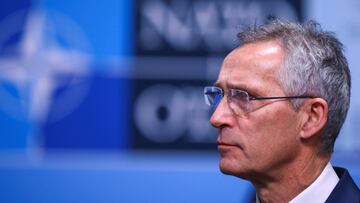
(44, 61)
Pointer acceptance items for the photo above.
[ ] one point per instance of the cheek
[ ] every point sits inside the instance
(274, 125)
(270, 135)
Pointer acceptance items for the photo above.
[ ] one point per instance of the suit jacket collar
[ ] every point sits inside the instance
(346, 189)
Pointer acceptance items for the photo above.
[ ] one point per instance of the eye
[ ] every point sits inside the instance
(251, 97)
(239, 101)
(251, 94)
(240, 95)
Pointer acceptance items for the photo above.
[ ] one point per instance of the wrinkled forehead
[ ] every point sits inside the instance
(255, 61)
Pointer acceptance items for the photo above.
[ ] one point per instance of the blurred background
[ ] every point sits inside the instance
(101, 101)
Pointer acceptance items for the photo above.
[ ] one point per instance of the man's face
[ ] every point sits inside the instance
(264, 140)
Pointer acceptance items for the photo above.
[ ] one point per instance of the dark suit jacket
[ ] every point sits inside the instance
(345, 190)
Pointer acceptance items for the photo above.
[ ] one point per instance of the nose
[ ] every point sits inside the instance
(222, 115)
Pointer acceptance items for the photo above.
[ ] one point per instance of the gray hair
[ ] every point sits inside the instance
(314, 65)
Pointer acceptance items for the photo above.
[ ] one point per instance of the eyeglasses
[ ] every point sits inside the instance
(239, 100)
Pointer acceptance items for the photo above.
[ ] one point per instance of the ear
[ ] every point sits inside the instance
(315, 112)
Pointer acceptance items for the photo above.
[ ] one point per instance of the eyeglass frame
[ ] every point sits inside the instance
(248, 97)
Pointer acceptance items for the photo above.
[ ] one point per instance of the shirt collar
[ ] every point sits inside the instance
(319, 190)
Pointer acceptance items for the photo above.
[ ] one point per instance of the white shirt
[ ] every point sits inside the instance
(319, 190)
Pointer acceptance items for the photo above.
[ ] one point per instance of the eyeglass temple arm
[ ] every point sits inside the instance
(290, 97)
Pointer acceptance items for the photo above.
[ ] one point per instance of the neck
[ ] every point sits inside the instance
(282, 185)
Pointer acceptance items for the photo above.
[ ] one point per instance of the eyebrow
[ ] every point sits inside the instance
(244, 87)
(231, 85)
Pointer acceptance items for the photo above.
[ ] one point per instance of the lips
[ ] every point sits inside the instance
(224, 144)
(224, 140)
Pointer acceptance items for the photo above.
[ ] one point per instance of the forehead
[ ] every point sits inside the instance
(252, 65)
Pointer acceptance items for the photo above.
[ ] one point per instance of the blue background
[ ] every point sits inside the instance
(86, 155)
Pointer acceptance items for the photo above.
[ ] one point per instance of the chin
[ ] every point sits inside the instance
(226, 171)
(230, 168)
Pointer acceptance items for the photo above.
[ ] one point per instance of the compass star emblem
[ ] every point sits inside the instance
(52, 53)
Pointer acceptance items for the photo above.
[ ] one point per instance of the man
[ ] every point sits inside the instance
(281, 98)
